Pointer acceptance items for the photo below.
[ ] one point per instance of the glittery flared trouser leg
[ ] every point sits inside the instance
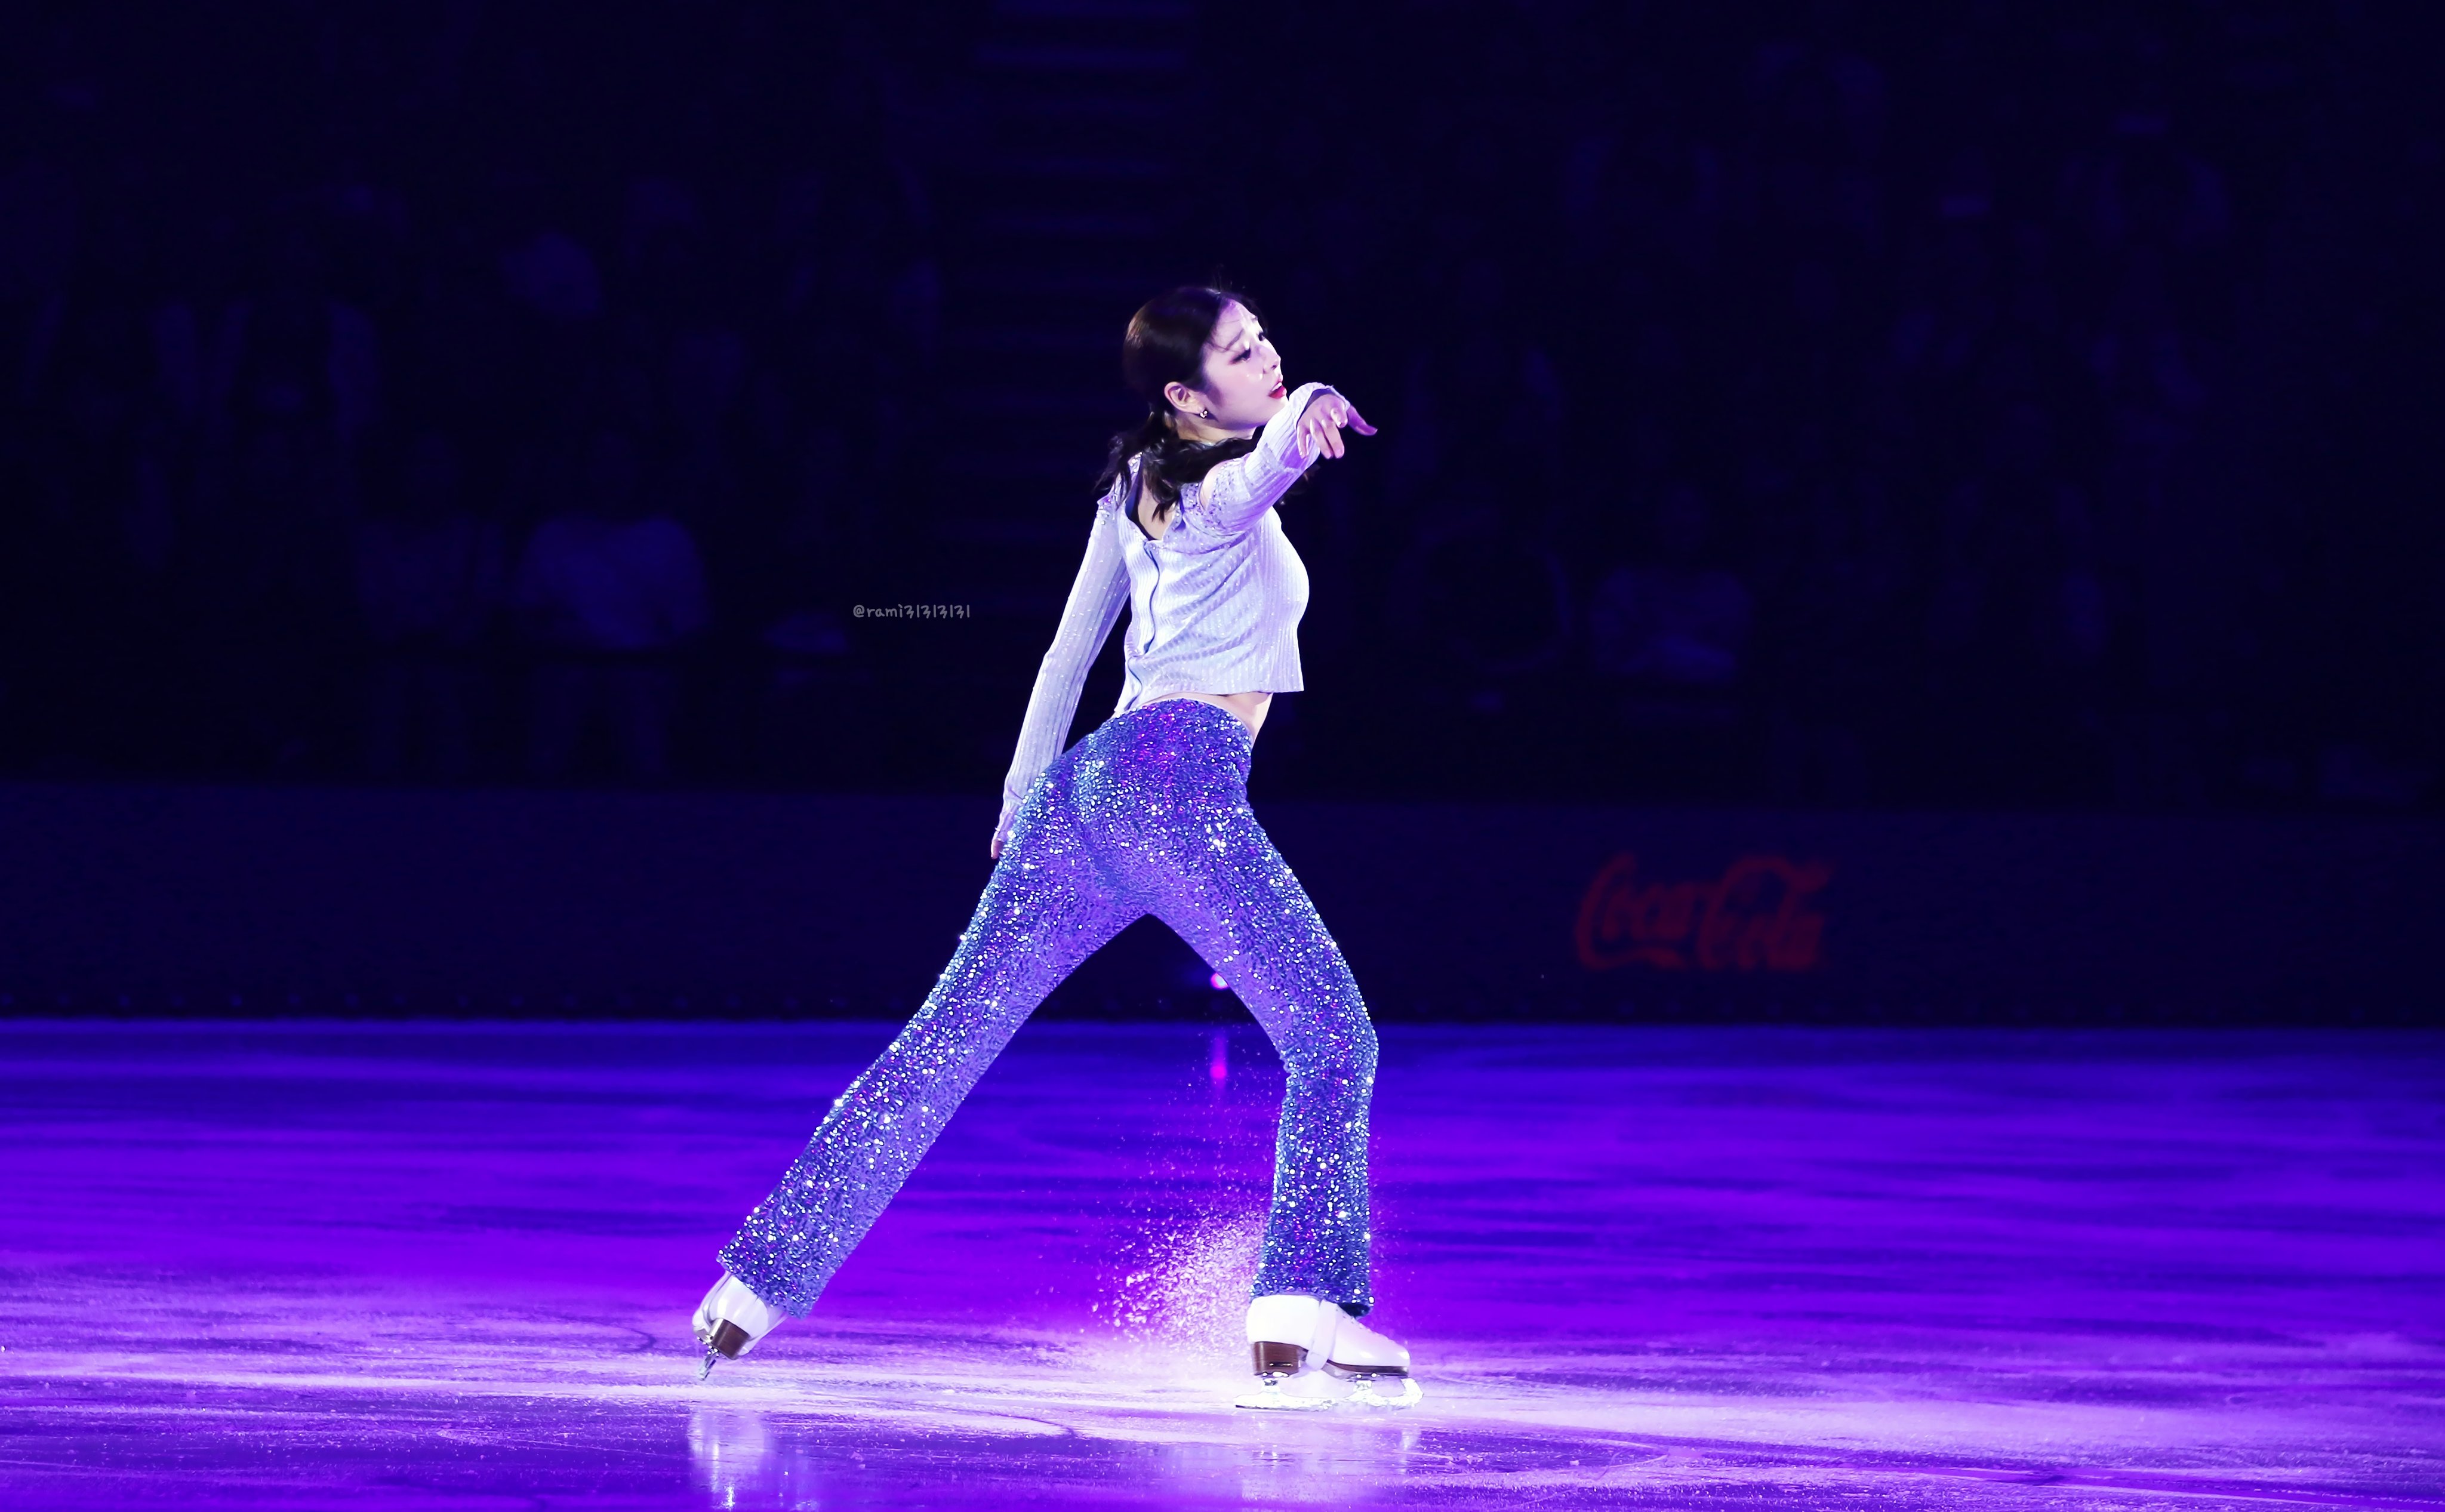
(1148, 813)
(1046, 908)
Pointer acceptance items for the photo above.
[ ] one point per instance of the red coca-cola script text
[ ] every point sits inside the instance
(1758, 916)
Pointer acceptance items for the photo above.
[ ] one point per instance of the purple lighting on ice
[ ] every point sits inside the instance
(294, 1265)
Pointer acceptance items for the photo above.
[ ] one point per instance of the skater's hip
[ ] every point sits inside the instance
(1167, 742)
(1147, 779)
(1160, 764)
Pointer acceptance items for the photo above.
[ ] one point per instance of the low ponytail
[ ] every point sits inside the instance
(1147, 435)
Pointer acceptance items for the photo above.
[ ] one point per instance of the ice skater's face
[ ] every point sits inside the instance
(1242, 380)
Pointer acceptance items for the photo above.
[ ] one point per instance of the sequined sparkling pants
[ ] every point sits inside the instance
(1148, 814)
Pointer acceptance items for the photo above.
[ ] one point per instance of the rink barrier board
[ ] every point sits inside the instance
(220, 900)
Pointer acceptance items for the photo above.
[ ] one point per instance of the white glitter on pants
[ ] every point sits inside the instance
(1147, 814)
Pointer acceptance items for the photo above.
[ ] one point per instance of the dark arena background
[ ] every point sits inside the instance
(1872, 736)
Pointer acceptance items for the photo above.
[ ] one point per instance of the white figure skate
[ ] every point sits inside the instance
(730, 1321)
(1287, 1334)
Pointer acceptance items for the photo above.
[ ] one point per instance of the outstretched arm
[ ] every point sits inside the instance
(1095, 599)
(1306, 428)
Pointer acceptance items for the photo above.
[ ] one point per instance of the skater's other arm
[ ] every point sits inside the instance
(1095, 599)
(1308, 425)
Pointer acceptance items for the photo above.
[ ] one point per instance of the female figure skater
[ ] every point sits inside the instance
(1147, 814)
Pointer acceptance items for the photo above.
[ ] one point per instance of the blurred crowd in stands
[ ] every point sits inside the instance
(1973, 404)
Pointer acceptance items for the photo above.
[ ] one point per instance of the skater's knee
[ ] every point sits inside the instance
(1336, 1047)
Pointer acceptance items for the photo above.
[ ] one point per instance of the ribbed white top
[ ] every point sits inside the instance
(1214, 606)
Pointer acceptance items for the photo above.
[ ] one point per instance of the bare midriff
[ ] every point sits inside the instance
(1250, 707)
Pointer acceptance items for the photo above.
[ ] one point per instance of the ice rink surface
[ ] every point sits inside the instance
(322, 1265)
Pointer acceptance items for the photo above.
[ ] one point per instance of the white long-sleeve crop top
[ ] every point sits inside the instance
(1214, 606)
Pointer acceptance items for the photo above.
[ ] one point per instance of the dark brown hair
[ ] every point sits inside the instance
(1165, 343)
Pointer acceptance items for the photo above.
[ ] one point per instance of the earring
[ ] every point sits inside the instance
(1204, 414)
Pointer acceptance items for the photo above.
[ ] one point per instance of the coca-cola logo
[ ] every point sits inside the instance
(1758, 916)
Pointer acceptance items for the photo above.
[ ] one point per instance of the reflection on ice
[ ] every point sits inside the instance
(754, 1458)
(732, 1449)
